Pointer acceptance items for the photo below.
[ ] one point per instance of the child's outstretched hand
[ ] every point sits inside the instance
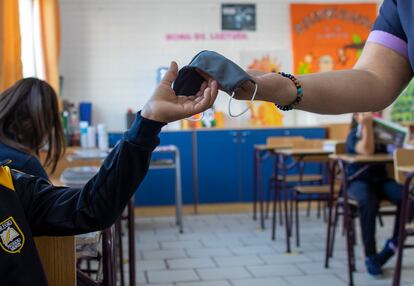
(166, 106)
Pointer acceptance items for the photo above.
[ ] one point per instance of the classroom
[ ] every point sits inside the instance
(206, 143)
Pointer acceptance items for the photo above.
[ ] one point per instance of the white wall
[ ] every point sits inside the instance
(111, 49)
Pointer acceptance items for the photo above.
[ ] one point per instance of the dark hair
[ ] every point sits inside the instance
(30, 119)
(354, 122)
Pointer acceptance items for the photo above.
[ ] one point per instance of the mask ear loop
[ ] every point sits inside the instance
(247, 108)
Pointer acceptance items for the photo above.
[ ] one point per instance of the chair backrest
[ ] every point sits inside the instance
(340, 148)
(337, 131)
(402, 157)
(285, 141)
(308, 144)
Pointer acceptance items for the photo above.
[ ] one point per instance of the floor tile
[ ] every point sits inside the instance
(190, 263)
(223, 273)
(172, 276)
(231, 250)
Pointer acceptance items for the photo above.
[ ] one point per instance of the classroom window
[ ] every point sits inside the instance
(31, 44)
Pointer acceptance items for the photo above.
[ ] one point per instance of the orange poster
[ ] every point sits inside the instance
(329, 36)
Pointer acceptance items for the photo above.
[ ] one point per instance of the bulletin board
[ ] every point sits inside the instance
(329, 37)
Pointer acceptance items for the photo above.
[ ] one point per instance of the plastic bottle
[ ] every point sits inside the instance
(103, 142)
(91, 137)
(83, 125)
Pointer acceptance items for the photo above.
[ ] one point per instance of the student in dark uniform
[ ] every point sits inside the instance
(368, 189)
(29, 119)
(31, 206)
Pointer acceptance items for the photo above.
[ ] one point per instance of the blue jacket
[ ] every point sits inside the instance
(22, 161)
(374, 172)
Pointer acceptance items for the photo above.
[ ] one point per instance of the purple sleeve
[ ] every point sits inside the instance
(388, 31)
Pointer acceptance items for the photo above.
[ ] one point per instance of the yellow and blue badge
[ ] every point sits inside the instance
(11, 237)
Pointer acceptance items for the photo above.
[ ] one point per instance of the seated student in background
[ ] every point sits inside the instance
(31, 206)
(368, 189)
(30, 120)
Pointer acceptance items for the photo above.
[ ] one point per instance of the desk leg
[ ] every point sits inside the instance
(330, 206)
(131, 241)
(255, 163)
(178, 192)
(286, 204)
(275, 196)
(260, 192)
(195, 171)
(348, 225)
(401, 230)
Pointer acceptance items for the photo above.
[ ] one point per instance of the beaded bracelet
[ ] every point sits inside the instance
(299, 94)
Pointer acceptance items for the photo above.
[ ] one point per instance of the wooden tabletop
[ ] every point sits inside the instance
(353, 158)
(264, 147)
(304, 152)
(406, 169)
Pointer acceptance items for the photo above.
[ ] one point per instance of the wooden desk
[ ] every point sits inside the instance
(264, 147)
(363, 159)
(306, 154)
(262, 151)
(299, 155)
(58, 254)
(58, 259)
(303, 152)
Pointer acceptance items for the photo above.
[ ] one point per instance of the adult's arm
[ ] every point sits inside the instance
(381, 73)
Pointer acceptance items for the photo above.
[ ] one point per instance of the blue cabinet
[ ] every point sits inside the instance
(223, 162)
(158, 186)
(218, 160)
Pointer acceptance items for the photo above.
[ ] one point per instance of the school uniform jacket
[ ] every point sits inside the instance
(31, 206)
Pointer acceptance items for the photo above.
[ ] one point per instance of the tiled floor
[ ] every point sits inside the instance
(230, 250)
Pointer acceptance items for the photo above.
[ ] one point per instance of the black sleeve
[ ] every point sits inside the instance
(58, 211)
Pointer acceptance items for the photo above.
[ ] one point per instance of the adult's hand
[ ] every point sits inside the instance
(166, 106)
(269, 85)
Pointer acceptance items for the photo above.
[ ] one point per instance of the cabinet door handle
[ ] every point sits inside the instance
(233, 133)
(245, 133)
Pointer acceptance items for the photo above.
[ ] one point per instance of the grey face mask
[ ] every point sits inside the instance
(228, 75)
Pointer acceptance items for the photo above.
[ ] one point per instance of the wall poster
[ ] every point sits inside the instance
(238, 17)
(329, 37)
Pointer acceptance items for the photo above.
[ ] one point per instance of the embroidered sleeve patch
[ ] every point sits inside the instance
(11, 237)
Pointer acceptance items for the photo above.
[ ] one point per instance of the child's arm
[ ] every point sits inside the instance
(54, 210)
(366, 144)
